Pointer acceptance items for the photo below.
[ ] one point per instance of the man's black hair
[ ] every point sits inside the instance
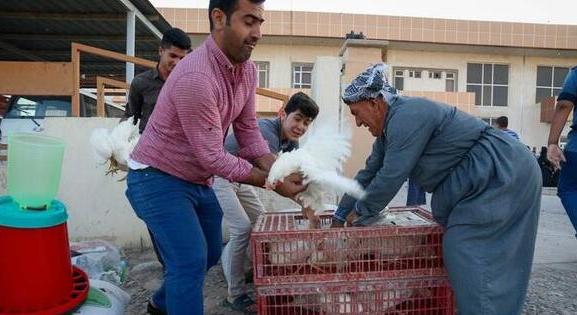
(502, 122)
(175, 37)
(226, 6)
(301, 101)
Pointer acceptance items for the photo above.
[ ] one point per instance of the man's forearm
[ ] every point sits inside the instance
(265, 162)
(257, 177)
(562, 111)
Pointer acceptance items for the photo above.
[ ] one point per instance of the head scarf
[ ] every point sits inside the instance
(370, 84)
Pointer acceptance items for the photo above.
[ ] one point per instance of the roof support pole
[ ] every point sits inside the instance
(130, 43)
(128, 4)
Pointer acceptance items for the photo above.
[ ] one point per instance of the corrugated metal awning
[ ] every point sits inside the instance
(32, 30)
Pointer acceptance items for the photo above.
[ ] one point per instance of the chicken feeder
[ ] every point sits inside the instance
(36, 274)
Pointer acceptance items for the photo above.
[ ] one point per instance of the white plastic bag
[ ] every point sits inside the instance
(100, 260)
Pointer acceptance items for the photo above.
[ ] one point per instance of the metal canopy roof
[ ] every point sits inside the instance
(42, 30)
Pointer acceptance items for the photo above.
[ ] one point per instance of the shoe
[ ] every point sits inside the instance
(242, 303)
(153, 310)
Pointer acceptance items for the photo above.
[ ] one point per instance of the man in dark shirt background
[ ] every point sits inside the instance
(146, 86)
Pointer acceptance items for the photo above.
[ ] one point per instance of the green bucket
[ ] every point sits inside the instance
(34, 167)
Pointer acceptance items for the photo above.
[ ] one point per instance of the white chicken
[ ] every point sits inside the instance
(115, 146)
(341, 303)
(124, 138)
(319, 159)
(389, 298)
(368, 301)
(327, 303)
(397, 246)
(290, 252)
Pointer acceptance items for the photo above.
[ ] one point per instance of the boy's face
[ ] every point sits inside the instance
(170, 56)
(294, 125)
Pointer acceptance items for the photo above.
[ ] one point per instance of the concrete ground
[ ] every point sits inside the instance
(553, 286)
(552, 289)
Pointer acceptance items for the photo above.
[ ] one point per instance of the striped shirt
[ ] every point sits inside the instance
(201, 98)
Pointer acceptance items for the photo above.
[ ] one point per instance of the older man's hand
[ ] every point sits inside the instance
(351, 218)
(337, 223)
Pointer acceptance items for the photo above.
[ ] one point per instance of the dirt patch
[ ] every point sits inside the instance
(145, 274)
(552, 289)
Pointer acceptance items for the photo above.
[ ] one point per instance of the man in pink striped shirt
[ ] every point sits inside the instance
(172, 167)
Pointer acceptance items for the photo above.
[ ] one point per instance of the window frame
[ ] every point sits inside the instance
(489, 120)
(552, 86)
(491, 85)
(436, 74)
(294, 72)
(266, 71)
(401, 73)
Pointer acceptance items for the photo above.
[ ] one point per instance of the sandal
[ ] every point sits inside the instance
(242, 303)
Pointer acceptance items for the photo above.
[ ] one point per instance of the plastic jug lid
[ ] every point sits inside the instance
(11, 215)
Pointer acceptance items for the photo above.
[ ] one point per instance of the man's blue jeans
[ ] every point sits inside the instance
(567, 190)
(185, 220)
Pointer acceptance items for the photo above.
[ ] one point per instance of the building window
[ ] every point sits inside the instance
(549, 81)
(399, 79)
(302, 75)
(451, 82)
(262, 71)
(489, 82)
(415, 74)
(489, 120)
(423, 79)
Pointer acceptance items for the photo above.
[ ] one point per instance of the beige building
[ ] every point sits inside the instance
(507, 68)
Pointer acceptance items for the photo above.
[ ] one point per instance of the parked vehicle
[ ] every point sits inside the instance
(28, 113)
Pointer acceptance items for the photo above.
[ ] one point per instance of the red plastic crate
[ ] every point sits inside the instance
(414, 296)
(283, 253)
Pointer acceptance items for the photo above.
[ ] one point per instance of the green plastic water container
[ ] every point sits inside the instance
(34, 168)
